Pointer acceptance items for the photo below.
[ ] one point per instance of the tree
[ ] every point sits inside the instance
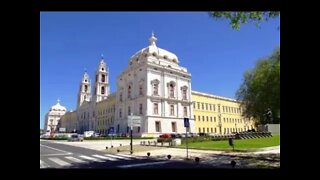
(237, 18)
(260, 91)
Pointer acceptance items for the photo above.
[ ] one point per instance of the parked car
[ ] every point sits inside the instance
(75, 137)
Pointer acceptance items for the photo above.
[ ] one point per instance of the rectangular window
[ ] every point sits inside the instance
(206, 106)
(224, 119)
(214, 108)
(194, 117)
(224, 130)
(140, 90)
(158, 128)
(202, 118)
(139, 129)
(129, 110)
(185, 111)
(214, 119)
(171, 110)
(155, 89)
(211, 130)
(215, 130)
(140, 109)
(202, 105)
(199, 130)
(204, 130)
(184, 94)
(207, 118)
(129, 92)
(174, 126)
(210, 119)
(155, 108)
(198, 105)
(199, 118)
(194, 105)
(210, 107)
(222, 108)
(207, 130)
(120, 113)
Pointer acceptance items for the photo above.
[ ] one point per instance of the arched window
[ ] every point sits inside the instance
(103, 78)
(102, 90)
(129, 91)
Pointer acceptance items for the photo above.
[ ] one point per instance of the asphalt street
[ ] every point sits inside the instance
(61, 156)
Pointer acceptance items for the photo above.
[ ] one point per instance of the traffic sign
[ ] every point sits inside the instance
(186, 122)
(111, 130)
(134, 121)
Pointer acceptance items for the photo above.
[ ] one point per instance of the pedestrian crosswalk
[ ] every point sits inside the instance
(67, 161)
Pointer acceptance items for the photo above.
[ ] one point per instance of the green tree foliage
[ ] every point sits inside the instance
(260, 89)
(237, 18)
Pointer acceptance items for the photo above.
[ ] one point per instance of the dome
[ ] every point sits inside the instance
(58, 107)
(153, 50)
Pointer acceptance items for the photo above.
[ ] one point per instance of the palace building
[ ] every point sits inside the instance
(157, 90)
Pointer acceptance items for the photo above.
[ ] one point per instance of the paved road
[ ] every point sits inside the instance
(54, 155)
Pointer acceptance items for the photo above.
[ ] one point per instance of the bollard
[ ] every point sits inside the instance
(169, 156)
(106, 147)
(197, 160)
(233, 164)
(120, 144)
(118, 150)
(111, 146)
(148, 154)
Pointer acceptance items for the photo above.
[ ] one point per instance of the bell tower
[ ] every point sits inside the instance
(84, 90)
(101, 85)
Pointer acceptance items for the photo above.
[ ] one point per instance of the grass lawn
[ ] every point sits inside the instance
(244, 144)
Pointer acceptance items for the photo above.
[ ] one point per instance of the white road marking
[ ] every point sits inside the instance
(43, 164)
(126, 155)
(118, 157)
(75, 159)
(46, 155)
(143, 164)
(91, 158)
(66, 152)
(60, 162)
(104, 157)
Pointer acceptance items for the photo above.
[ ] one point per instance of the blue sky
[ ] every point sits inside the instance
(215, 55)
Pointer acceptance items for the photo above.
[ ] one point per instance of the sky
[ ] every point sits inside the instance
(216, 55)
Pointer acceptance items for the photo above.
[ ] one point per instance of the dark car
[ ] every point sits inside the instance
(75, 137)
